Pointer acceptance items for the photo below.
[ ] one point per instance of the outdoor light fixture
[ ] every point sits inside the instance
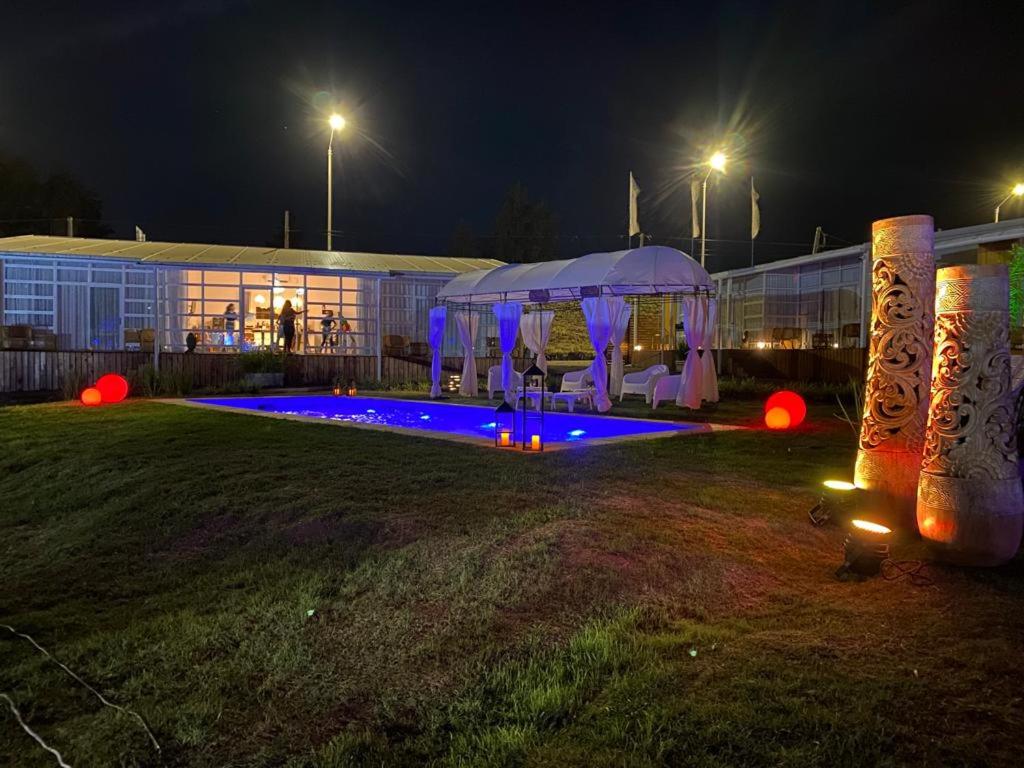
(337, 391)
(865, 549)
(1016, 191)
(352, 388)
(504, 426)
(715, 163)
(454, 382)
(761, 345)
(836, 504)
(533, 419)
(784, 409)
(91, 396)
(112, 387)
(337, 123)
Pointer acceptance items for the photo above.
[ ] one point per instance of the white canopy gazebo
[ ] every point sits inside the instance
(600, 281)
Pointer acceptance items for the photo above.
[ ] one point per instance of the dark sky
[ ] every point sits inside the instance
(205, 120)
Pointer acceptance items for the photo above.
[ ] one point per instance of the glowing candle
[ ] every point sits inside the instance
(506, 439)
(535, 443)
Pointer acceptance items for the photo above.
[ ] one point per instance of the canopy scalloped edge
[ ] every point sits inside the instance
(651, 270)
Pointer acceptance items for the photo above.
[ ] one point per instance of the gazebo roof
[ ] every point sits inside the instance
(654, 269)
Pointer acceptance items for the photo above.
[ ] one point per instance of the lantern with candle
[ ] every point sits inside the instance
(532, 394)
(504, 426)
(352, 388)
(337, 390)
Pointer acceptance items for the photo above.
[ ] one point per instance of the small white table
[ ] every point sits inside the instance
(572, 398)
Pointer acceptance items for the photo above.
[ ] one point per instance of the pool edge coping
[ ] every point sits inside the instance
(694, 428)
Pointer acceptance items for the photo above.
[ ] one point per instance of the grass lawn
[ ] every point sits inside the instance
(651, 603)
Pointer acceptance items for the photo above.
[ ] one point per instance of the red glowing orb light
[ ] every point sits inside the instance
(91, 396)
(791, 403)
(113, 388)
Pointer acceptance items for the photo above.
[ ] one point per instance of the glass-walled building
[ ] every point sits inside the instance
(81, 294)
(823, 300)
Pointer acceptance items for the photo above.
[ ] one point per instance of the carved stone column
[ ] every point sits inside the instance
(970, 499)
(899, 365)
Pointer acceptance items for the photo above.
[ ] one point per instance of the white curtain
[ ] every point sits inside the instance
(536, 328)
(710, 376)
(466, 324)
(621, 312)
(599, 325)
(508, 314)
(435, 337)
(691, 385)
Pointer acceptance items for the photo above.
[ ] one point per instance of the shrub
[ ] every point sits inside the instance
(261, 362)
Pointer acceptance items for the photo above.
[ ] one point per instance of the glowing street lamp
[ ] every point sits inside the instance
(1017, 191)
(337, 123)
(715, 163)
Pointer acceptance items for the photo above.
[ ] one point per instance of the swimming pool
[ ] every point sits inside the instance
(447, 420)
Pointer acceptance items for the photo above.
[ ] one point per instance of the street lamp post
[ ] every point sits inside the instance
(337, 122)
(1017, 191)
(716, 163)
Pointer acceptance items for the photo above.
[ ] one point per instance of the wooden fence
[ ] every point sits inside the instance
(50, 371)
(826, 366)
(47, 370)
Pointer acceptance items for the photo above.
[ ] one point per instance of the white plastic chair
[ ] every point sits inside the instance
(494, 381)
(642, 382)
(574, 381)
(665, 388)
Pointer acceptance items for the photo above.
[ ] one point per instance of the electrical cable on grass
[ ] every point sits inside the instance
(33, 734)
(98, 695)
(912, 570)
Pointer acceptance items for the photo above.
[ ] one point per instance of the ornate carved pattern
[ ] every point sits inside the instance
(972, 422)
(899, 356)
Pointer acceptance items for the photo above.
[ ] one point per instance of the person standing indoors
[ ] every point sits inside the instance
(346, 334)
(327, 323)
(230, 323)
(287, 324)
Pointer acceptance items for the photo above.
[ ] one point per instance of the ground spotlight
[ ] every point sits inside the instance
(836, 503)
(865, 549)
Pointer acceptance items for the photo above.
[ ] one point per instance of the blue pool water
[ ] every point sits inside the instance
(447, 418)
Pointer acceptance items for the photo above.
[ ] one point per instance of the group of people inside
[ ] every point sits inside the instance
(334, 331)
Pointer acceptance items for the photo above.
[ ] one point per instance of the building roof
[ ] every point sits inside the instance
(947, 241)
(198, 255)
(654, 269)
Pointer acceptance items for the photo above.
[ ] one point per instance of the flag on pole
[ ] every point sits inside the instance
(634, 216)
(140, 236)
(694, 196)
(755, 211)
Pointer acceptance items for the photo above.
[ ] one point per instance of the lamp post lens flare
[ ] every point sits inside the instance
(718, 161)
(336, 121)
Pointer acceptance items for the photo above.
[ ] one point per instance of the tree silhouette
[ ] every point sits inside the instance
(30, 205)
(525, 231)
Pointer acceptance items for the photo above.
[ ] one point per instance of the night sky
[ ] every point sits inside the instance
(205, 120)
